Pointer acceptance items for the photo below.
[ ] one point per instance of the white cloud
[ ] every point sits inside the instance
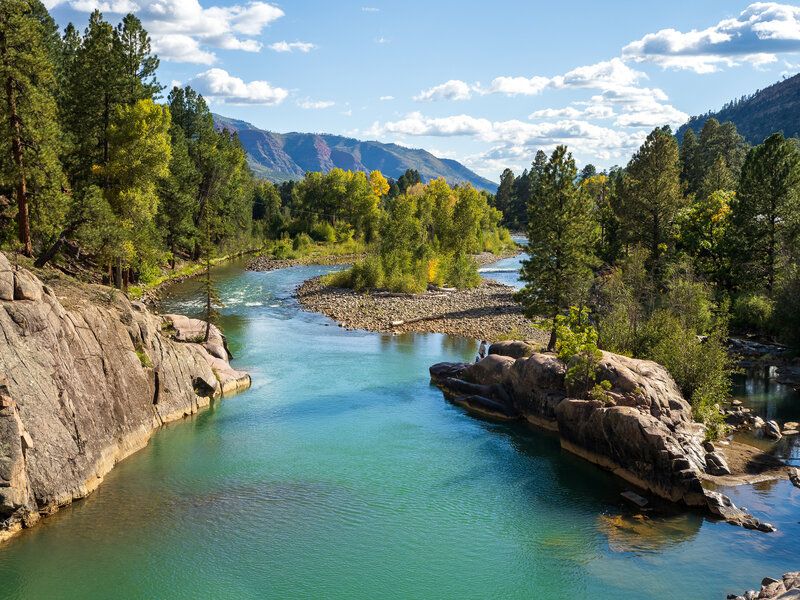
(385, 98)
(219, 85)
(371, 9)
(182, 48)
(513, 86)
(590, 112)
(451, 90)
(604, 75)
(515, 142)
(292, 46)
(315, 105)
(185, 31)
(760, 32)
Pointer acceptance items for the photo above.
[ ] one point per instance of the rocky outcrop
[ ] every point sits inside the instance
(185, 329)
(723, 507)
(81, 389)
(641, 428)
(784, 588)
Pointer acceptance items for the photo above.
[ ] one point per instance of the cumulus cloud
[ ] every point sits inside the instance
(291, 46)
(219, 85)
(760, 32)
(451, 90)
(185, 31)
(514, 142)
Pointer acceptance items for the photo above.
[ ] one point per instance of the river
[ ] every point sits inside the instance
(342, 473)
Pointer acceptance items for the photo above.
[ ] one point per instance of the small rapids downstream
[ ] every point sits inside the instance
(342, 473)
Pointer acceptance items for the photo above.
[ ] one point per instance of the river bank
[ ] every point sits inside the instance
(487, 312)
(86, 377)
(342, 469)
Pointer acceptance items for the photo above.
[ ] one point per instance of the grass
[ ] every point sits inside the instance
(143, 358)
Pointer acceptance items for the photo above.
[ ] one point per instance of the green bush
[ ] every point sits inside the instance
(344, 232)
(366, 274)
(282, 252)
(753, 311)
(577, 348)
(323, 232)
(463, 273)
(302, 242)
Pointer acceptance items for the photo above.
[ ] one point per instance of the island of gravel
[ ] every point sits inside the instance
(487, 312)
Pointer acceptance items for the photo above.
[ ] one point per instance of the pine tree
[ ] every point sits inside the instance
(504, 198)
(139, 65)
(30, 135)
(766, 207)
(560, 241)
(652, 193)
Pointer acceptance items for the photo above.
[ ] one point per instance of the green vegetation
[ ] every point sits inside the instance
(143, 358)
(426, 234)
(577, 348)
(560, 238)
(131, 183)
(669, 251)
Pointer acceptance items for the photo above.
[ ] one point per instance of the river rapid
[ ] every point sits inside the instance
(342, 473)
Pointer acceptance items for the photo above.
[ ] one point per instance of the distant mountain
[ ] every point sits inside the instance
(283, 156)
(774, 109)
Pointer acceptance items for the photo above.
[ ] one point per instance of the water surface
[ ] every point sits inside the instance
(343, 474)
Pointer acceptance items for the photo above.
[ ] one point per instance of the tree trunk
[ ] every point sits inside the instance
(23, 219)
(118, 274)
(551, 345)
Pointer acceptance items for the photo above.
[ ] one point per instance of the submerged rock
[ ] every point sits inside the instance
(774, 589)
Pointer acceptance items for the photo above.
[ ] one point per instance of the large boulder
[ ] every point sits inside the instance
(722, 506)
(643, 431)
(512, 349)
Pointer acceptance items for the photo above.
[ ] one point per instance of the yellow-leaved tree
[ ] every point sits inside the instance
(139, 155)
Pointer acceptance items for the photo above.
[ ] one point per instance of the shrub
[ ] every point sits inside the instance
(302, 242)
(366, 274)
(282, 252)
(323, 232)
(463, 273)
(577, 348)
(753, 311)
(344, 232)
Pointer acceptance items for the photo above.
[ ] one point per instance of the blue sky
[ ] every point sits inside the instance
(484, 83)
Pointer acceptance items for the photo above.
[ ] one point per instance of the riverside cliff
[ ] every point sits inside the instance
(84, 384)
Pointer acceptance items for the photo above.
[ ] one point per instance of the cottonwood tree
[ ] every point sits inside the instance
(560, 238)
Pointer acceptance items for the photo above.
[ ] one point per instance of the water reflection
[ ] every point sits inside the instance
(771, 401)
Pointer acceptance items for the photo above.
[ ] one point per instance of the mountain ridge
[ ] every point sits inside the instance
(759, 115)
(284, 156)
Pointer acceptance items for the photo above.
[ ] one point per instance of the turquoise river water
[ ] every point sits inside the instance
(344, 474)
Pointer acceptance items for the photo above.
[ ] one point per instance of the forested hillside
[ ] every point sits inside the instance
(284, 156)
(771, 110)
